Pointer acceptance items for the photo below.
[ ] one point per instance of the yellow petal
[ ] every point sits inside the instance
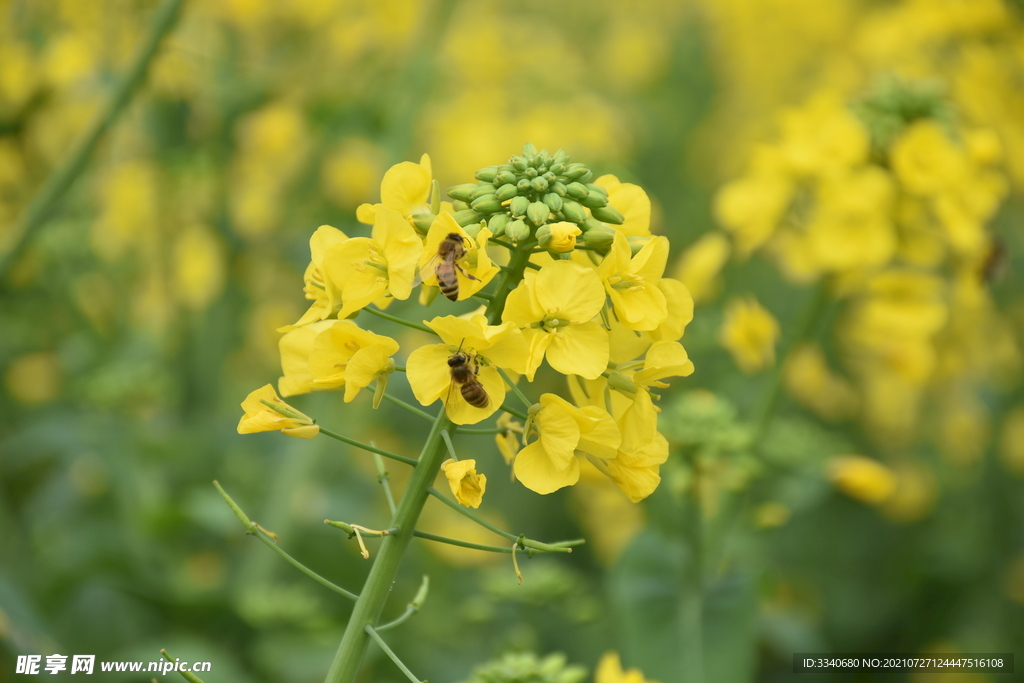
(579, 350)
(639, 423)
(568, 291)
(402, 247)
(406, 188)
(537, 471)
(428, 373)
(367, 213)
(296, 347)
(466, 484)
(680, 311)
(632, 202)
(365, 366)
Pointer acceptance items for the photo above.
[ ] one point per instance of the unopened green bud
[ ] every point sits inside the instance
(517, 231)
(594, 200)
(530, 172)
(575, 170)
(459, 205)
(594, 187)
(497, 224)
(591, 224)
(480, 191)
(519, 163)
(549, 176)
(544, 157)
(556, 168)
(561, 157)
(586, 177)
(558, 188)
(573, 211)
(577, 190)
(524, 185)
(637, 242)
(554, 201)
(529, 150)
(543, 236)
(473, 229)
(462, 192)
(519, 205)
(538, 213)
(466, 217)
(506, 178)
(422, 221)
(486, 174)
(608, 214)
(486, 204)
(599, 237)
(506, 192)
(539, 184)
(505, 167)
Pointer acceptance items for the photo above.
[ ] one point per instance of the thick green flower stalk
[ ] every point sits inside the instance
(565, 270)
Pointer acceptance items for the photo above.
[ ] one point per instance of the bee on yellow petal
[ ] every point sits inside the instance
(266, 412)
(467, 486)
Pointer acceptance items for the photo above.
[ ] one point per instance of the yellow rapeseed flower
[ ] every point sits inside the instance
(609, 670)
(637, 472)
(555, 306)
(488, 347)
(632, 282)
(405, 189)
(265, 412)
(467, 486)
(864, 479)
(749, 332)
(632, 202)
(563, 237)
(564, 431)
(331, 354)
(368, 268)
(323, 292)
(476, 262)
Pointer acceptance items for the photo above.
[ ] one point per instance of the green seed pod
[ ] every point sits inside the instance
(529, 150)
(519, 205)
(517, 231)
(462, 192)
(524, 186)
(481, 191)
(599, 237)
(575, 170)
(506, 192)
(487, 204)
(498, 223)
(519, 164)
(539, 184)
(558, 188)
(422, 221)
(554, 201)
(577, 190)
(561, 157)
(556, 168)
(466, 217)
(459, 205)
(506, 178)
(591, 224)
(573, 211)
(486, 174)
(608, 214)
(594, 200)
(538, 213)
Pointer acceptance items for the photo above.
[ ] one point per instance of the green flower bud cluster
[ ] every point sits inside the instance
(893, 104)
(528, 668)
(532, 190)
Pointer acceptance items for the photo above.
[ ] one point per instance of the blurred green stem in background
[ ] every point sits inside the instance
(691, 648)
(806, 323)
(188, 676)
(39, 209)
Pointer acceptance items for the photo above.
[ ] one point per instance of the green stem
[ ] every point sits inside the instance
(411, 408)
(509, 279)
(808, 320)
(382, 477)
(388, 651)
(512, 411)
(512, 385)
(461, 430)
(466, 513)
(368, 447)
(187, 675)
(462, 544)
(400, 321)
(366, 612)
(448, 444)
(692, 607)
(410, 609)
(39, 209)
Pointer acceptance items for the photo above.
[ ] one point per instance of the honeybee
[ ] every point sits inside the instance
(464, 370)
(442, 265)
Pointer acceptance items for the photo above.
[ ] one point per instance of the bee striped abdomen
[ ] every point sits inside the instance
(475, 394)
(447, 280)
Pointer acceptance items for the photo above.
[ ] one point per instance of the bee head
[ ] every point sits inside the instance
(456, 237)
(455, 359)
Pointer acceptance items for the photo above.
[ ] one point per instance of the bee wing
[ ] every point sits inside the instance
(427, 271)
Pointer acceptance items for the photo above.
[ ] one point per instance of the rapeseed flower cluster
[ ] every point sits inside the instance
(583, 294)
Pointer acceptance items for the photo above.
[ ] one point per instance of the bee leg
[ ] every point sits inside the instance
(466, 273)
